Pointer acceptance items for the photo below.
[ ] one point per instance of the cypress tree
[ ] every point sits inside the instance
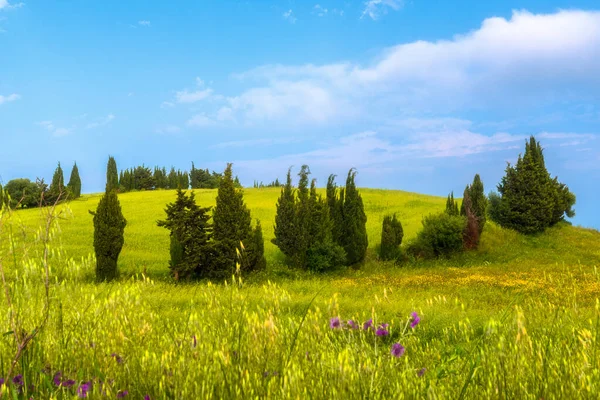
(255, 249)
(232, 228)
(391, 238)
(172, 178)
(112, 175)
(109, 226)
(336, 210)
(355, 223)
(530, 200)
(451, 205)
(303, 218)
(57, 186)
(285, 219)
(190, 246)
(74, 184)
(471, 231)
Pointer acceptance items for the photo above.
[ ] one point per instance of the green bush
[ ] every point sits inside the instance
(442, 235)
(109, 226)
(391, 238)
(323, 256)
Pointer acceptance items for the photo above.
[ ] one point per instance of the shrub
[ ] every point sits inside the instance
(442, 235)
(23, 192)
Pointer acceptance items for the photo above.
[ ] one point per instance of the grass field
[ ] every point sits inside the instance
(519, 318)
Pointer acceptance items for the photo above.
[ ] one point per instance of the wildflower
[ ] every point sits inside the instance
(414, 319)
(352, 324)
(382, 330)
(122, 394)
(147, 397)
(368, 324)
(56, 379)
(335, 323)
(1, 381)
(68, 383)
(421, 372)
(397, 350)
(18, 380)
(83, 389)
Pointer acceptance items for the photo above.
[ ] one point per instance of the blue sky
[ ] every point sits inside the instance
(417, 95)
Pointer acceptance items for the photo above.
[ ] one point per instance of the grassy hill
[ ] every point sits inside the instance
(516, 318)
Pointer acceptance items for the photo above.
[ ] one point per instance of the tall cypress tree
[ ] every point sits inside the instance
(112, 175)
(109, 227)
(57, 186)
(336, 210)
(451, 205)
(232, 229)
(285, 219)
(478, 200)
(74, 184)
(355, 222)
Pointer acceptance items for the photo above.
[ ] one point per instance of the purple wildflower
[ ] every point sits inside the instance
(83, 389)
(421, 372)
(56, 379)
(382, 330)
(335, 323)
(18, 380)
(122, 394)
(117, 357)
(414, 319)
(68, 383)
(1, 381)
(397, 350)
(368, 324)
(352, 324)
(147, 397)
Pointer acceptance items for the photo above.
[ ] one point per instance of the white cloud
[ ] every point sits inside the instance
(186, 96)
(56, 131)
(527, 60)
(4, 4)
(320, 10)
(9, 98)
(375, 8)
(104, 121)
(201, 121)
(255, 142)
(167, 104)
(168, 129)
(289, 16)
(144, 23)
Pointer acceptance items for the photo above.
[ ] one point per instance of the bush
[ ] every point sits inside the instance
(109, 225)
(391, 238)
(23, 192)
(323, 256)
(442, 235)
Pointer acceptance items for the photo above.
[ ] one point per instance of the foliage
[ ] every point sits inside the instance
(531, 200)
(451, 205)
(74, 185)
(190, 233)
(442, 235)
(336, 210)
(354, 240)
(285, 219)
(112, 175)
(478, 200)
(109, 227)
(472, 228)
(260, 185)
(23, 192)
(391, 238)
(233, 229)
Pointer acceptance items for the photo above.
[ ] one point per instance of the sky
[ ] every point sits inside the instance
(416, 95)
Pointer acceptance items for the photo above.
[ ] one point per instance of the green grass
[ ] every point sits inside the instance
(516, 319)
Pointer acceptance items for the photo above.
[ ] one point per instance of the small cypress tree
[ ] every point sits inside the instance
(109, 226)
(112, 175)
(471, 231)
(255, 249)
(355, 241)
(475, 191)
(285, 219)
(74, 184)
(232, 226)
(451, 205)
(391, 238)
(336, 210)
(57, 186)
(190, 236)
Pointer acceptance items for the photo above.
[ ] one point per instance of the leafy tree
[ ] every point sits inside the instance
(451, 205)
(232, 229)
(391, 238)
(285, 219)
(109, 227)
(23, 192)
(531, 200)
(190, 236)
(74, 184)
(112, 174)
(355, 241)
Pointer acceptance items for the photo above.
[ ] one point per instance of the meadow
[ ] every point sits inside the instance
(518, 318)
